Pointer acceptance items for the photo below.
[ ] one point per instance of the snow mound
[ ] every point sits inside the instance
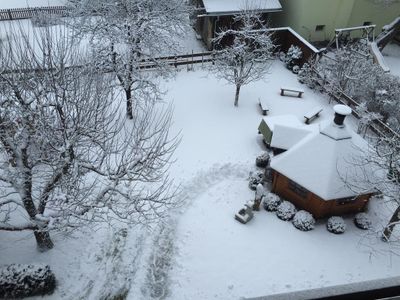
(336, 225)
(362, 221)
(303, 221)
(271, 202)
(286, 211)
(17, 281)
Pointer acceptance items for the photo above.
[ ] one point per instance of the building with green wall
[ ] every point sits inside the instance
(316, 20)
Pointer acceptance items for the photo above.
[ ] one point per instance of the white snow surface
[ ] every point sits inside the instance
(7, 4)
(214, 256)
(284, 137)
(234, 6)
(391, 54)
(288, 120)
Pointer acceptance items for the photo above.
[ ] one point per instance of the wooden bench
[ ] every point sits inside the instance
(312, 114)
(263, 106)
(292, 90)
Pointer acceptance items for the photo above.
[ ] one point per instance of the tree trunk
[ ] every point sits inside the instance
(129, 107)
(389, 228)
(237, 95)
(43, 241)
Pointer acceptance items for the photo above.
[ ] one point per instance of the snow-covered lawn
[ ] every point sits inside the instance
(391, 54)
(215, 257)
(218, 257)
(6, 4)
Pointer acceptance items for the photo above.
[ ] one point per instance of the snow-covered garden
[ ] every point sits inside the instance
(214, 256)
(197, 250)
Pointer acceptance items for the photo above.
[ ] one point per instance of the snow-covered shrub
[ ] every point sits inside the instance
(336, 225)
(362, 221)
(303, 220)
(296, 69)
(293, 55)
(255, 178)
(286, 211)
(271, 202)
(17, 281)
(305, 76)
(263, 160)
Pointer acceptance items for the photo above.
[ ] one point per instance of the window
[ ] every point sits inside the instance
(367, 23)
(297, 189)
(319, 27)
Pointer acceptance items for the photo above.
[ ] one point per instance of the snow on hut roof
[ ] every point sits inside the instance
(229, 7)
(285, 137)
(287, 120)
(323, 165)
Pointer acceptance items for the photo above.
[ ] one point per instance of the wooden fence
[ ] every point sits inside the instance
(27, 13)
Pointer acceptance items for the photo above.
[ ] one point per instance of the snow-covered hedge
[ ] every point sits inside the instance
(362, 221)
(286, 211)
(263, 160)
(17, 281)
(303, 220)
(336, 225)
(255, 178)
(271, 202)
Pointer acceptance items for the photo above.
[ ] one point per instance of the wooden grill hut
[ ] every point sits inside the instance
(319, 173)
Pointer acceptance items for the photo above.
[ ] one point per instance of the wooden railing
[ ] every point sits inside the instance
(27, 13)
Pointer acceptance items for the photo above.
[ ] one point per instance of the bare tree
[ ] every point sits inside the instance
(124, 33)
(243, 54)
(352, 71)
(67, 158)
(379, 169)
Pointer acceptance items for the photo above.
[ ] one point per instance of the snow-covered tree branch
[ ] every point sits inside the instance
(125, 33)
(243, 53)
(67, 158)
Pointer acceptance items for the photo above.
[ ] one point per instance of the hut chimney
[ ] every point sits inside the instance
(337, 130)
(341, 111)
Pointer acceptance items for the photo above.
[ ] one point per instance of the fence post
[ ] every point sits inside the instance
(192, 60)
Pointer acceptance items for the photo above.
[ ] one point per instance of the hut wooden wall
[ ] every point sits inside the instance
(312, 203)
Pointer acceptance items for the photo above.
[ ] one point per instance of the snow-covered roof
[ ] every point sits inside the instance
(229, 7)
(285, 137)
(30, 3)
(324, 165)
(286, 120)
